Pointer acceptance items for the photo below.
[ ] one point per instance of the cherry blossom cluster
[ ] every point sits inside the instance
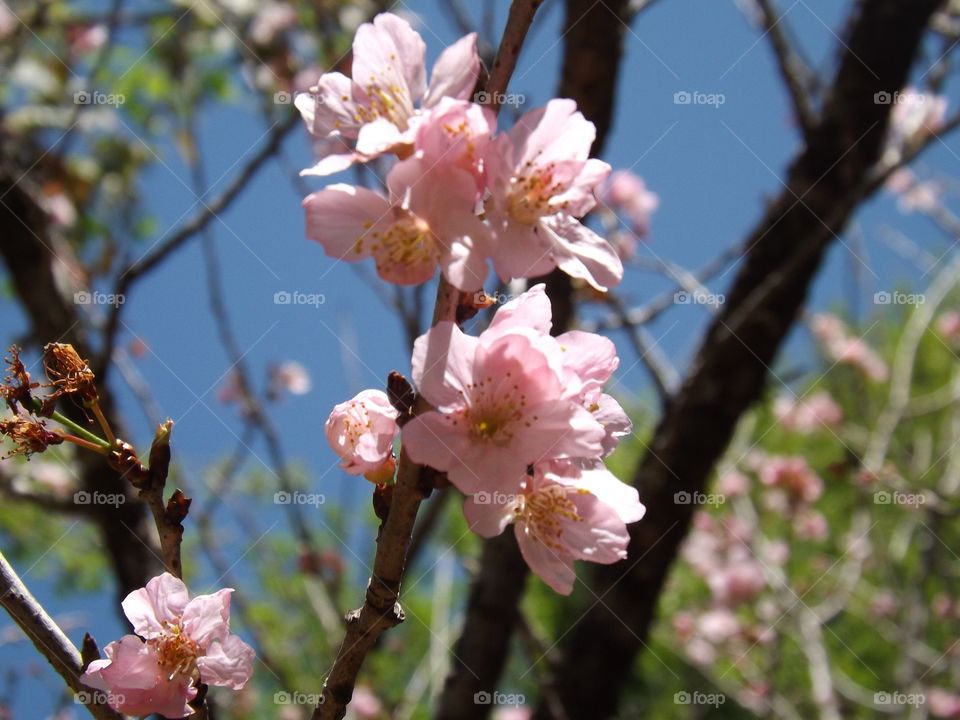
(179, 642)
(520, 425)
(459, 194)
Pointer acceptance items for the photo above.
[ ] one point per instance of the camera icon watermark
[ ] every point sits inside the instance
(85, 297)
(898, 298)
(899, 698)
(682, 497)
(282, 497)
(885, 497)
(285, 97)
(95, 97)
(699, 698)
(295, 297)
(684, 97)
(282, 697)
(498, 698)
(887, 98)
(83, 497)
(699, 298)
(498, 98)
(98, 697)
(493, 498)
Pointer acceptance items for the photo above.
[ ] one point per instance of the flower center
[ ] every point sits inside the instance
(176, 652)
(407, 242)
(543, 511)
(530, 193)
(495, 407)
(391, 103)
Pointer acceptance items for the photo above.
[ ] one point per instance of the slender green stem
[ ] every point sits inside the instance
(81, 432)
(85, 444)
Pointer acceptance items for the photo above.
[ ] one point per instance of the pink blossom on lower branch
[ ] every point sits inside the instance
(179, 642)
(361, 431)
(566, 510)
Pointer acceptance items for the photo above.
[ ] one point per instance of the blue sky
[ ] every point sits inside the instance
(713, 167)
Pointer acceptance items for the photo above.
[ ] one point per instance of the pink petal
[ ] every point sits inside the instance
(560, 428)
(581, 253)
(443, 360)
(488, 518)
(556, 132)
(455, 72)
(343, 217)
(388, 57)
(332, 164)
(431, 439)
(610, 491)
(518, 251)
(592, 357)
(162, 601)
(530, 310)
(228, 663)
(381, 136)
(579, 197)
(206, 618)
(616, 423)
(331, 109)
(555, 569)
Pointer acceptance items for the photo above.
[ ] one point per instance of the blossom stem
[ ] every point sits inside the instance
(85, 443)
(104, 425)
(79, 431)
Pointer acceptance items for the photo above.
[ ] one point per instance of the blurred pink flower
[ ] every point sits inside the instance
(737, 583)
(943, 703)
(916, 115)
(518, 712)
(808, 414)
(733, 483)
(289, 376)
(376, 108)
(811, 525)
(362, 430)
(794, 476)
(541, 179)
(562, 513)
(948, 326)
(627, 193)
(839, 345)
(179, 642)
(365, 704)
(507, 399)
(718, 625)
(271, 20)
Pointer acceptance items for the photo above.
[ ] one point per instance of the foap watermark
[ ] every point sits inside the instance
(297, 698)
(493, 498)
(285, 97)
(885, 497)
(899, 698)
(282, 497)
(887, 98)
(98, 697)
(85, 297)
(498, 98)
(483, 298)
(685, 97)
(699, 298)
(498, 698)
(95, 97)
(83, 497)
(682, 497)
(898, 298)
(699, 698)
(295, 297)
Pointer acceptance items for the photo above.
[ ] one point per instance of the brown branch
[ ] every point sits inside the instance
(824, 187)
(381, 610)
(49, 639)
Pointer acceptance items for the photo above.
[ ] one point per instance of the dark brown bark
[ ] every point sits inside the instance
(126, 530)
(730, 370)
(593, 39)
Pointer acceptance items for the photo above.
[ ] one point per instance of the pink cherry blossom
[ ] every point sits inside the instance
(733, 483)
(377, 107)
(179, 642)
(809, 414)
(271, 20)
(811, 525)
(505, 400)
(362, 430)
(916, 114)
(846, 349)
(291, 377)
(737, 582)
(428, 220)
(718, 625)
(541, 180)
(565, 511)
(794, 476)
(627, 194)
(948, 326)
(943, 703)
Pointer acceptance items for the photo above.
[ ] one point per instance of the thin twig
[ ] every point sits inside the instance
(48, 639)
